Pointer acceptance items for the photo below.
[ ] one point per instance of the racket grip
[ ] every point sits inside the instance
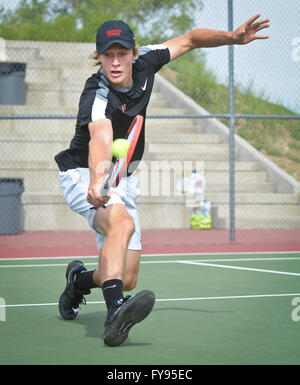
(104, 189)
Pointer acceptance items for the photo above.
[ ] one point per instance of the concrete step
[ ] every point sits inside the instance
(44, 212)
(49, 73)
(240, 177)
(43, 151)
(55, 129)
(67, 86)
(172, 215)
(152, 137)
(168, 124)
(41, 215)
(30, 151)
(201, 152)
(62, 71)
(170, 138)
(59, 127)
(36, 181)
(47, 50)
(49, 211)
(42, 198)
(36, 138)
(220, 155)
(170, 189)
(46, 217)
(53, 217)
(187, 166)
(157, 103)
(212, 165)
(192, 148)
(252, 198)
(245, 199)
(14, 165)
(54, 87)
(155, 182)
(36, 110)
(165, 177)
(247, 216)
(82, 63)
(258, 187)
(62, 97)
(71, 110)
(57, 98)
(161, 126)
(170, 176)
(48, 82)
(256, 223)
(262, 211)
(164, 111)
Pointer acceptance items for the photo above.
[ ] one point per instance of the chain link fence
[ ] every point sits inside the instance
(193, 163)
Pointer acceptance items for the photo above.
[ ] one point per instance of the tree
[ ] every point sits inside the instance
(78, 20)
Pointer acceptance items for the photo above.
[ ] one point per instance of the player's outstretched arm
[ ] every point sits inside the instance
(201, 37)
(99, 159)
(247, 32)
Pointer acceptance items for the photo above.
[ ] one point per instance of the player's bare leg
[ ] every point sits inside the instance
(132, 267)
(117, 271)
(80, 281)
(117, 225)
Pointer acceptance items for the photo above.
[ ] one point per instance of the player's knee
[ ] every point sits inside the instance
(130, 279)
(127, 227)
(129, 284)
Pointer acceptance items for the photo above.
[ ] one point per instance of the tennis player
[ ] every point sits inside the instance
(111, 98)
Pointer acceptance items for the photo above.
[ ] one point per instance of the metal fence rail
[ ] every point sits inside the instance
(165, 116)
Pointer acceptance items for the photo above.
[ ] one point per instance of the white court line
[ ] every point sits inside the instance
(65, 264)
(232, 259)
(156, 255)
(196, 262)
(45, 265)
(169, 299)
(224, 253)
(238, 268)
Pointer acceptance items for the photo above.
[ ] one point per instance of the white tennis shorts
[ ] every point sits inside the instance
(74, 184)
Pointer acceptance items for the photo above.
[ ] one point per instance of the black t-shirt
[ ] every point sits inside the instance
(100, 100)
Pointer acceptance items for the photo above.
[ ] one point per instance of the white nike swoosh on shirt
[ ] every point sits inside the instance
(145, 85)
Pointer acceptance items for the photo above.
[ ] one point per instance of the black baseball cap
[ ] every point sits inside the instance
(114, 31)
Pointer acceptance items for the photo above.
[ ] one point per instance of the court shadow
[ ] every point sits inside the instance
(94, 326)
(93, 323)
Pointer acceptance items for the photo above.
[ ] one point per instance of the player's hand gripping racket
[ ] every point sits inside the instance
(119, 169)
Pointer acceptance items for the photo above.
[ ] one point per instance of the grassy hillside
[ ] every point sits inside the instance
(279, 140)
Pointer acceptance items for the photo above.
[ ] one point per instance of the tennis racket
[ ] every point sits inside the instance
(119, 169)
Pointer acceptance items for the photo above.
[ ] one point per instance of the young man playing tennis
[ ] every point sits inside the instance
(110, 100)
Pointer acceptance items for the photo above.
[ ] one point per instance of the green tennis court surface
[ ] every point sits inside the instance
(210, 309)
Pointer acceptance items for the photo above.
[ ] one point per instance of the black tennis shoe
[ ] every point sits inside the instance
(121, 318)
(72, 297)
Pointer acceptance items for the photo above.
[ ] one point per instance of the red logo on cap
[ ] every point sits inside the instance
(114, 32)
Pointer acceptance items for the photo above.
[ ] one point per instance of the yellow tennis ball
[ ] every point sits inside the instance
(120, 147)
